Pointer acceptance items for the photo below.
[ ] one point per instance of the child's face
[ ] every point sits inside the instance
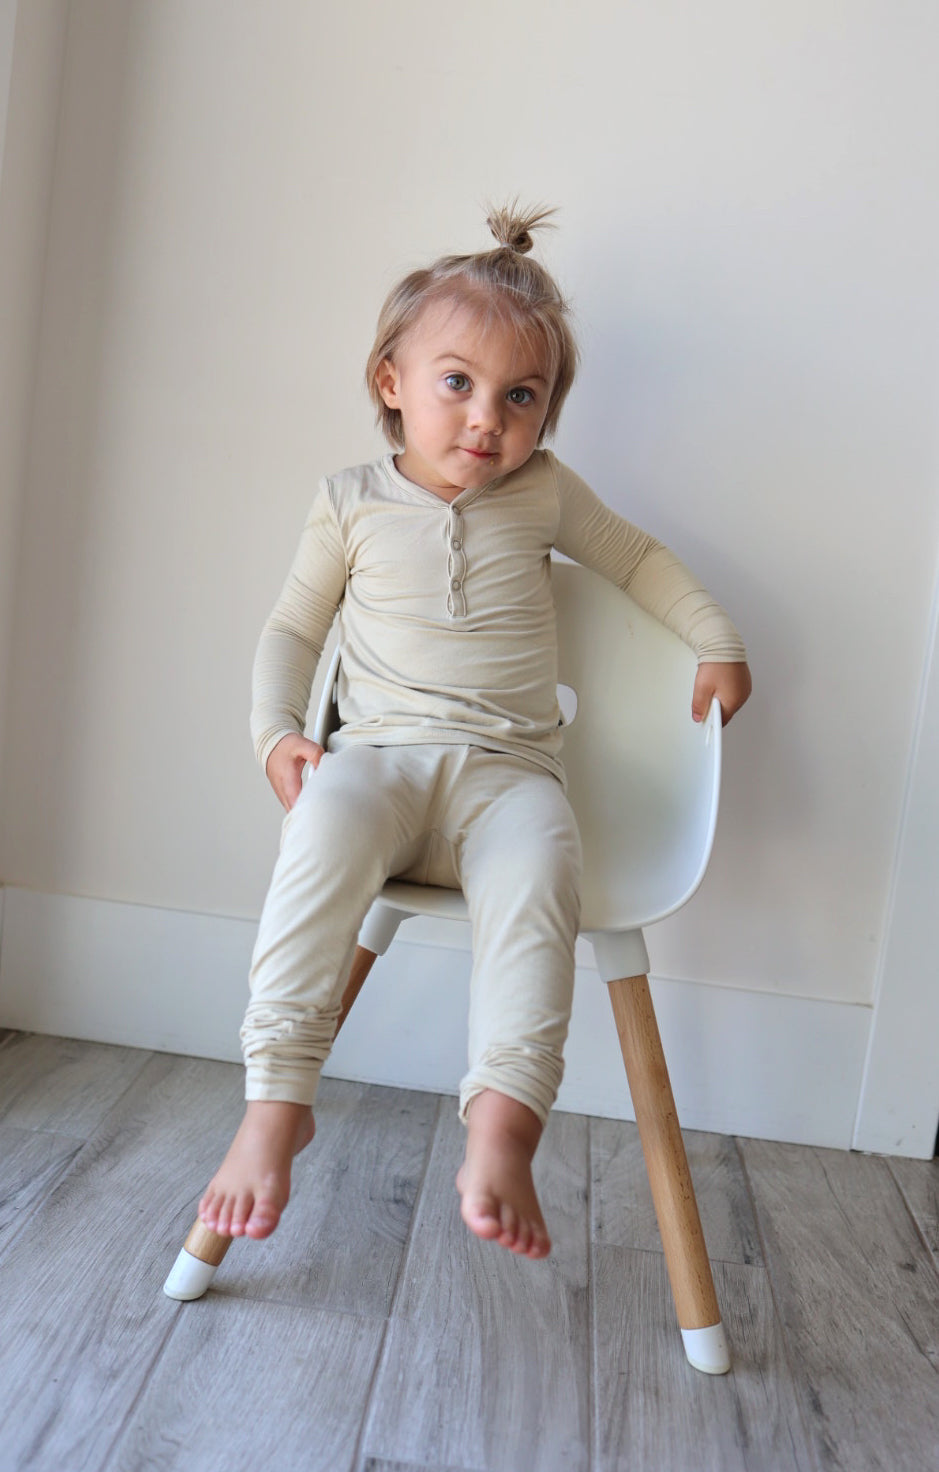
(472, 395)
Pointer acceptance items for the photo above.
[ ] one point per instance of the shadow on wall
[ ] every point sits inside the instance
(79, 290)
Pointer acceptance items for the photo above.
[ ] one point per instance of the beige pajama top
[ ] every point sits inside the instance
(446, 619)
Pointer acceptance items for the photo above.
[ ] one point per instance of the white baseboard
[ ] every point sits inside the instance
(741, 1062)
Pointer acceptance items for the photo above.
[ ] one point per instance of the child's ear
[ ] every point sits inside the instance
(386, 379)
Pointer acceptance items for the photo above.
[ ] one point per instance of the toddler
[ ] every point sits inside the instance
(447, 769)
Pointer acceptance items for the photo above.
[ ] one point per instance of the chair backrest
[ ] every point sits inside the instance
(643, 778)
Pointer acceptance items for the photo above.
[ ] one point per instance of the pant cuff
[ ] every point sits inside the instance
(281, 1085)
(539, 1101)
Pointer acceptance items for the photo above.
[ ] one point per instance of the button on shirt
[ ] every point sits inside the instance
(446, 619)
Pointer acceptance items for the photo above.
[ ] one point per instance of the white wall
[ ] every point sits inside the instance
(900, 1091)
(10, 484)
(749, 233)
(7, 30)
(32, 42)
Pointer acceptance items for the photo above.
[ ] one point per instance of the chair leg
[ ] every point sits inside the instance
(204, 1250)
(362, 963)
(197, 1263)
(686, 1256)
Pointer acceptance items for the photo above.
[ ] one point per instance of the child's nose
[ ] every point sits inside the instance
(486, 413)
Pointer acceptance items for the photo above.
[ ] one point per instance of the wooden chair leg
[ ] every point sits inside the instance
(673, 1195)
(203, 1250)
(197, 1263)
(362, 963)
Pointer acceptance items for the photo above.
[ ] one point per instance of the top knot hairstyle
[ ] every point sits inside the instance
(504, 286)
(513, 231)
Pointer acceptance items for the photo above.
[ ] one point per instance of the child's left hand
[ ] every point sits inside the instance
(731, 683)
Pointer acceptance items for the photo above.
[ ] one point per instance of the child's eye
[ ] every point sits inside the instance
(520, 396)
(457, 381)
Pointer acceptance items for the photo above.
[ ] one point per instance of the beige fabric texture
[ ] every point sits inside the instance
(494, 826)
(447, 623)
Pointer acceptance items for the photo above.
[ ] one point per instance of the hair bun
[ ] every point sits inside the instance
(512, 227)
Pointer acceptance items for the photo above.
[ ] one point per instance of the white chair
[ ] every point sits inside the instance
(643, 780)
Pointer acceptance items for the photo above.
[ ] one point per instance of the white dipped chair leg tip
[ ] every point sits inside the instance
(189, 1277)
(707, 1349)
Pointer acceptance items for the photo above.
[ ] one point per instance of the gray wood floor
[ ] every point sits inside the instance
(373, 1334)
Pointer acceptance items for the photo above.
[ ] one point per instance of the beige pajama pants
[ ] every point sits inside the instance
(495, 826)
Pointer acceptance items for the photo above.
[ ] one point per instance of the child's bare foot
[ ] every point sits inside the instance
(251, 1189)
(499, 1201)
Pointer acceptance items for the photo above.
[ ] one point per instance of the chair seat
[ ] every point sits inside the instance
(424, 899)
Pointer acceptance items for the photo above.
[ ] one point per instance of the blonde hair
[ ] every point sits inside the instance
(505, 286)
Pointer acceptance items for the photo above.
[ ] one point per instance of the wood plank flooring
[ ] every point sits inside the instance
(371, 1333)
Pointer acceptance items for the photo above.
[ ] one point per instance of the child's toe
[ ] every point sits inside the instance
(263, 1219)
(513, 1235)
(540, 1245)
(512, 1227)
(529, 1240)
(208, 1211)
(231, 1217)
(481, 1214)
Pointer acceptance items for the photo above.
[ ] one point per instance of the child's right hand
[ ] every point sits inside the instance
(285, 766)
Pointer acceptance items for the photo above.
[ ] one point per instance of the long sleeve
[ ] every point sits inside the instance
(592, 534)
(293, 637)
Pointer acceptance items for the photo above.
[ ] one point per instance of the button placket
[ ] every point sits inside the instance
(456, 566)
